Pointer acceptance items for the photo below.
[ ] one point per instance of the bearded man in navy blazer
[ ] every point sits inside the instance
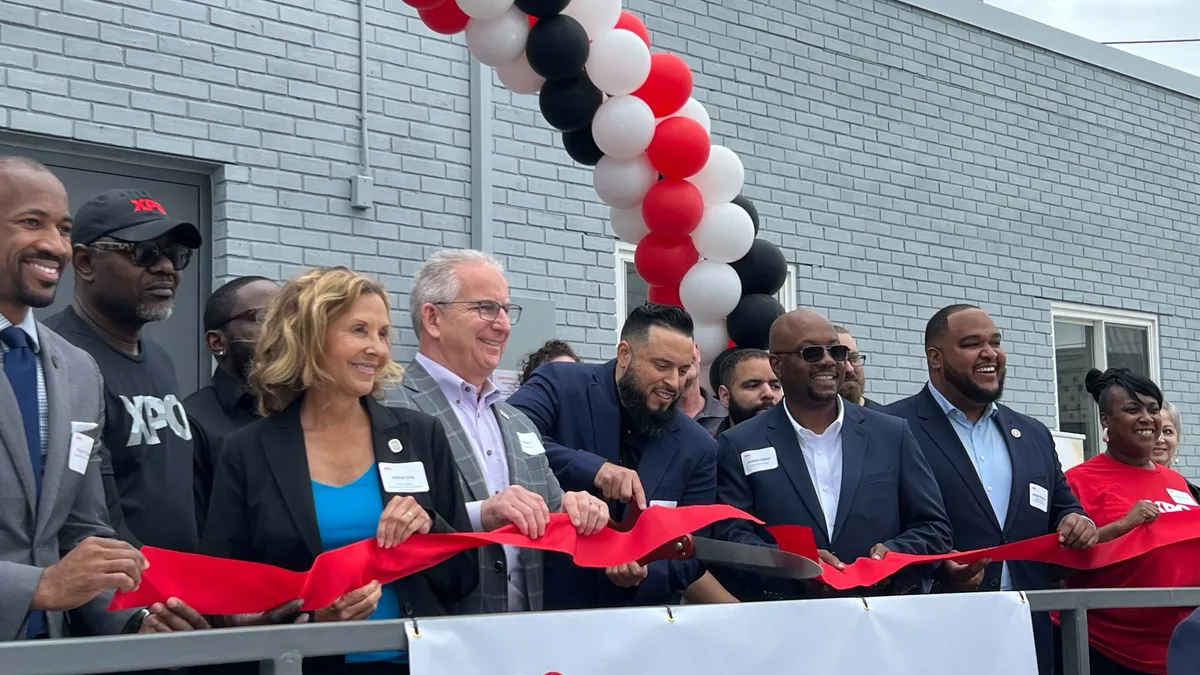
(854, 476)
(616, 430)
(998, 470)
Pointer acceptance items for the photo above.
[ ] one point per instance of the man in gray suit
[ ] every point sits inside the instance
(462, 316)
(57, 554)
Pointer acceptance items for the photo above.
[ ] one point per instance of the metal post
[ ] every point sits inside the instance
(481, 156)
(1076, 659)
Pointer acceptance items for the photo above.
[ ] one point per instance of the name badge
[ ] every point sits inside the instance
(664, 502)
(403, 477)
(81, 452)
(531, 443)
(763, 459)
(1180, 497)
(1039, 498)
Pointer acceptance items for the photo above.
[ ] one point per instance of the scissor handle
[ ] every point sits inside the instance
(632, 513)
(682, 548)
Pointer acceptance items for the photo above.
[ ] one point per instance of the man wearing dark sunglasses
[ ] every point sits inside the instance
(856, 477)
(129, 257)
(233, 319)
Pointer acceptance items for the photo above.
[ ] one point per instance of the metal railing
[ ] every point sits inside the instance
(280, 649)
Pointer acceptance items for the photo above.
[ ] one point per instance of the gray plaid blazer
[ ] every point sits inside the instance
(419, 391)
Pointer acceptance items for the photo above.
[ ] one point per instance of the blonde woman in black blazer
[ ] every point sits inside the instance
(329, 465)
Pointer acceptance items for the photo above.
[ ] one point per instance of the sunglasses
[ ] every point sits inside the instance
(815, 353)
(257, 315)
(148, 253)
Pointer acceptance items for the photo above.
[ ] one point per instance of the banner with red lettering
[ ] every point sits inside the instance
(950, 634)
(219, 586)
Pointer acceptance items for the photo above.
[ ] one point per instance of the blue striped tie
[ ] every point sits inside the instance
(20, 365)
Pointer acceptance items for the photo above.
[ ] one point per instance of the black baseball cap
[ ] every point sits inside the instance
(129, 215)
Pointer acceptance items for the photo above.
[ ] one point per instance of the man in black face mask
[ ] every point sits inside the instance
(233, 319)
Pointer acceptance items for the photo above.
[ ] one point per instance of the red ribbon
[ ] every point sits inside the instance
(221, 586)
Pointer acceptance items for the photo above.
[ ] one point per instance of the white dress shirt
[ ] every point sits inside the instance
(823, 457)
(473, 408)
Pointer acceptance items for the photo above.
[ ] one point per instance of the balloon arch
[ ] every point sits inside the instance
(629, 113)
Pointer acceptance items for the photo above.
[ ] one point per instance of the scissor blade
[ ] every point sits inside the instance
(757, 559)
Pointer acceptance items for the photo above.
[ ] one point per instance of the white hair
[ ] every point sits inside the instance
(437, 280)
(1173, 413)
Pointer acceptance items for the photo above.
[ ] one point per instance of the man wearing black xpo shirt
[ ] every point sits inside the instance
(129, 258)
(233, 319)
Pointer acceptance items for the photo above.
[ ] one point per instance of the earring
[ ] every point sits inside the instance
(221, 353)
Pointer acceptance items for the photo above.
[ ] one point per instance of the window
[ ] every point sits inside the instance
(1091, 337)
(632, 290)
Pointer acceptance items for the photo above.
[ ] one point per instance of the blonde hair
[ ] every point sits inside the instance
(286, 360)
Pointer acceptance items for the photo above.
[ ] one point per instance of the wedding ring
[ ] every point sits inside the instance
(408, 515)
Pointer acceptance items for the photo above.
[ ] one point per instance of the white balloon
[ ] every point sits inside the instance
(712, 338)
(710, 291)
(596, 16)
(623, 127)
(623, 183)
(484, 9)
(722, 177)
(628, 224)
(619, 62)
(519, 77)
(725, 233)
(499, 41)
(695, 110)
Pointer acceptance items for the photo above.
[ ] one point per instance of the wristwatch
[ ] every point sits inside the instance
(135, 622)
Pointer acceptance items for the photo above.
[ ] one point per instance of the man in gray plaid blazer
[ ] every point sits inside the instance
(462, 316)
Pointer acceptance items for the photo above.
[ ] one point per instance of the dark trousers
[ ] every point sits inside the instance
(1102, 665)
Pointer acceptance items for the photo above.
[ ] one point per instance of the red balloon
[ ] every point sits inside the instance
(662, 261)
(445, 18)
(424, 4)
(673, 208)
(680, 147)
(664, 295)
(631, 23)
(669, 85)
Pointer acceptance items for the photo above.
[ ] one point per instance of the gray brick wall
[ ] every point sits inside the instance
(900, 159)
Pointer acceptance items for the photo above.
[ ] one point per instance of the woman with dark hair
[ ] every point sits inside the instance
(1122, 489)
(551, 352)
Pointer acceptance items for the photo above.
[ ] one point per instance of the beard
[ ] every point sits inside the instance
(241, 358)
(966, 386)
(154, 312)
(645, 421)
(852, 390)
(738, 414)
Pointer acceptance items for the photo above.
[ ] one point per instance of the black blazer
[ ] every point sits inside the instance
(262, 505)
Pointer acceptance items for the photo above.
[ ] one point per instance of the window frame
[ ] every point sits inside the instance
(1098, 318)
(624, 256)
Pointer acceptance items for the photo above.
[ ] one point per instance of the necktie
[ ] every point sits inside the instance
(20, 365)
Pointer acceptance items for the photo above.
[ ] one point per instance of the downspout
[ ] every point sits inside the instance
(481, 156)
(362, 192)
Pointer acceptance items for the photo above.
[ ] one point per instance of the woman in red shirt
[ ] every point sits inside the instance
(1122, 489)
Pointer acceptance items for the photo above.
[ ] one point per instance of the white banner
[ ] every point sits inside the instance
(952, 634)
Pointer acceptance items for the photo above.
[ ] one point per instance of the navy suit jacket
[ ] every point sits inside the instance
(888, 496)
(1183, 653)
(1034, 461)
(575, 407)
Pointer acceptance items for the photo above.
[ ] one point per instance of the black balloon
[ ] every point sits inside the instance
(714, 369)
(762, 270)
(582, 147)
(570, 105)
(749, 324)
(748, 207)
(557, 48)
(542, 9)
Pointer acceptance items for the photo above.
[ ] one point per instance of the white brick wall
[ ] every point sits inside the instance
(902, 160)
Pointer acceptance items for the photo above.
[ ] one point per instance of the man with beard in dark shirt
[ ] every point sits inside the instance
(129, 257)
(616, 430)
(233, 318)
(749, 387)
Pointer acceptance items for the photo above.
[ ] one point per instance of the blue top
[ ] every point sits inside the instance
(349, 514)
(985, 445)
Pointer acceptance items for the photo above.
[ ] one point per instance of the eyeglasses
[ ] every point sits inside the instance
(148, 253)
(489, 310)
(257, 315)
(857, 359)
(814, 353)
